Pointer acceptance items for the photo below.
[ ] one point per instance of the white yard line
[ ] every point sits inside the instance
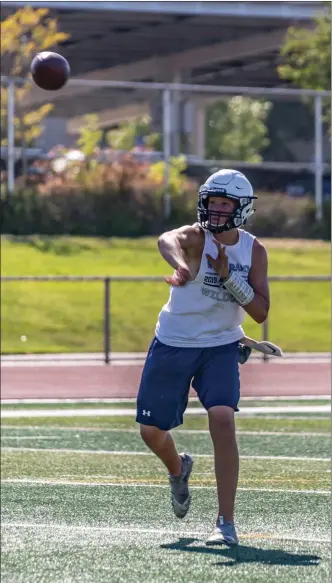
(241, 432)
(20, 437)
(133, 400)
(135, 431)
(52, 482)
(250, 411)
(137, 359)
(147, 453)
(154, 531)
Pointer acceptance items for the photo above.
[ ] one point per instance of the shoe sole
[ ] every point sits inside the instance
(181, 512)
(221, 542)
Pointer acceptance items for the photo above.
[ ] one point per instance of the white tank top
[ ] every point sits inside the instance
(202, 313)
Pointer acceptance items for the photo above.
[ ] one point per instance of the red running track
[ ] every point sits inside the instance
(115, 381)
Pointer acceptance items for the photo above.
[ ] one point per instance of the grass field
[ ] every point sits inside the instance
(68, 317)
(83, 500)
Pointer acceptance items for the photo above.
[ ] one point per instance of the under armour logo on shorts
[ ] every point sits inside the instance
(148, 413)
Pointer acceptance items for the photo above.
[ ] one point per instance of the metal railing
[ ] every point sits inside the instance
(316, 165)
(107, 280)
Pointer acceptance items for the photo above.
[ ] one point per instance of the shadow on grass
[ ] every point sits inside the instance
(245, 554)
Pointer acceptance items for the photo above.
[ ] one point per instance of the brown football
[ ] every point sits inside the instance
(50, 71)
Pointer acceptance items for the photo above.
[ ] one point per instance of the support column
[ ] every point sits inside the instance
(55, 132)
(318, 158)
(197, 138)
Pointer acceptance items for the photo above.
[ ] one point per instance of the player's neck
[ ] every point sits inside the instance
(228, 237)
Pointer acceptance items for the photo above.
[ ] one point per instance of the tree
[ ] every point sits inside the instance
(89, 135)
(176, 176)
(23, 34)
(124, 137)
(307, 55)
(236, 130)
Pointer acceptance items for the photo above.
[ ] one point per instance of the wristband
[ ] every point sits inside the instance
(239, 288)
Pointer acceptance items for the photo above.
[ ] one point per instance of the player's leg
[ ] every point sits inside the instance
(226, 458)
(162, 444)
(218, 387)
(161, 402)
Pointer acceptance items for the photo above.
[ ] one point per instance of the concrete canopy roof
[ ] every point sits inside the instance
(228, 43)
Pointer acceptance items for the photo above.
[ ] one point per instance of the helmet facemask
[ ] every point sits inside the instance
(212, 220)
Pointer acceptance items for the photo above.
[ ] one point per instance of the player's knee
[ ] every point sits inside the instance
(152, 435)
(221, 419)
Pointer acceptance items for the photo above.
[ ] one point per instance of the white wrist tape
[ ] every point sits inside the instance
(239, 288)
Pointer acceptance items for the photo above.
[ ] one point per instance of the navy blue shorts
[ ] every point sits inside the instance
(169, 371)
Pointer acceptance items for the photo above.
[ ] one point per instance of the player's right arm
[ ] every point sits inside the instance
(175, 246)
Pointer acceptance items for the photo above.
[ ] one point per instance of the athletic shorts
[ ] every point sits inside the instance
(168, 372)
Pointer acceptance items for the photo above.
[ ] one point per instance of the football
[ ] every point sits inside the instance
(50, 71)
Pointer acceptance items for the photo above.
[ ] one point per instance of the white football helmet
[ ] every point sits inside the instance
(228, 184)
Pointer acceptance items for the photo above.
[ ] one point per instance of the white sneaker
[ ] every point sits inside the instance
(224, 534)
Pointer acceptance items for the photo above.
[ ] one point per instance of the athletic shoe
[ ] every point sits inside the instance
(224, 534)
(179, 487)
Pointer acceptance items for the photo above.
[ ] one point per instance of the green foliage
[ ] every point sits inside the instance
(176, 177)
(307, 54)
(121, 199)
(236, 130)
(32, 123)
(126, 200)
(282, 216)
(23, 35)
(124, 137)
(89, 135)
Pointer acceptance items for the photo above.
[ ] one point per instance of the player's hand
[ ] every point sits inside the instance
(220, 264)
(180, 277)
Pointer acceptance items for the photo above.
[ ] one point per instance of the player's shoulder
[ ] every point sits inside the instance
(257, 244)
(259, 252)
(193, 232)
(196, 230)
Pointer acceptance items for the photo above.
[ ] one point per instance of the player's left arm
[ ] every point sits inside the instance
(259, 307)
(253, 295)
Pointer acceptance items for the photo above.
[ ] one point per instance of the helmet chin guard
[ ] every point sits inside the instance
(226, 184)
